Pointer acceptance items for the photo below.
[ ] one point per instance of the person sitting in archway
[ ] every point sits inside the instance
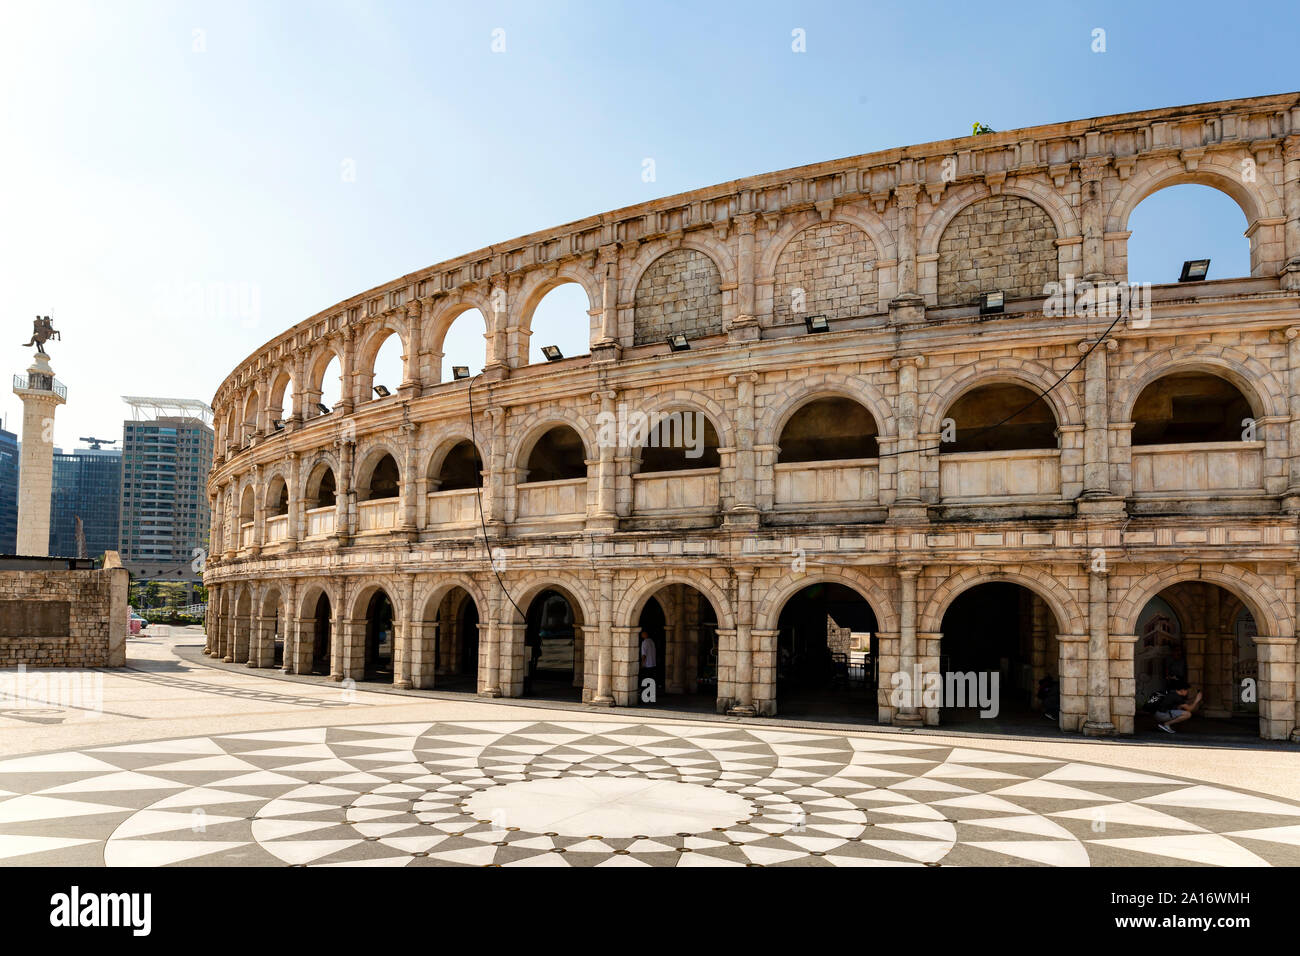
(1049, 693)
(1174, 706)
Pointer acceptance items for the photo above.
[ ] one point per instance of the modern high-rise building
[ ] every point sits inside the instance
(166, 456)
(8, 492)
(87, 485)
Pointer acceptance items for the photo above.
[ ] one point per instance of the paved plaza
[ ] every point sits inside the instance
(195, 765)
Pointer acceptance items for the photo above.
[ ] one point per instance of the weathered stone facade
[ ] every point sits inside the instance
(1095, 527)
(63, 618)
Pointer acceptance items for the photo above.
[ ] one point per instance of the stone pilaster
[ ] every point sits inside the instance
(1100, 691)
(744, 647)
(908, 507)
(908, 714)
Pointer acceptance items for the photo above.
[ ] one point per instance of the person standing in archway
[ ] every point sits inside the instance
(649, 660)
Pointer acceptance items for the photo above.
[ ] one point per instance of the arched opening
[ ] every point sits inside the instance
(386, 369)
(1187, 407)
(465, 344)
(320, 488)
(559, 455)
(1185, 222)
(553, 646)
(277, 497)
(279, 406)
(998, 646)
(679, 293)
(248, 427)
(330, 389)
(460, 469)
(232, 433)
(681, 440)
(999, 417)
(826, 654)
(829, 429)
(274, 619)
(456, 655)
(383, 481)
(380, 637)
(561, 319)
(681, 658)
(247, 513)
(1002, 244)
(1202, 635)
(321, 636)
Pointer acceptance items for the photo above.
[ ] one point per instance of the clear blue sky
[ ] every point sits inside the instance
(144, 160)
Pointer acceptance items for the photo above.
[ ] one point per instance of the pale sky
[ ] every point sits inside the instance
(174, 177)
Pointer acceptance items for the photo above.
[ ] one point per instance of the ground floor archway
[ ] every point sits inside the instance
(826, 654)
(380, 638)
(678, 667)
(553, 646)
(321, 636)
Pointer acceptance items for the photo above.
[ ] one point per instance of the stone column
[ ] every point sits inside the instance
(1072, 670)
(604, 696)
(343, 493)
(425, 642)
(606, 517)
(495, 505)
(1291, 204)
(1276, 657)
(677, 642)
(514, 658)
(412, 383)
(907, 507)
(744, 327)
(41, 397)
(339, 638)
(1096, 435)
(405, 636)
(499, 357)
(347, 367)
(908, 714)
(1123, 703)
(289, 662)
(764, 670)
(1091, 172)
(744, 686)
(410, 485)
(259, 513)
(294, 533)
(607, 347)
(905, 195)
(1292, 499)
(298, 399)
(626, 658)
(1100, 690)
(744, 511)
(264, 655)
(489, 679)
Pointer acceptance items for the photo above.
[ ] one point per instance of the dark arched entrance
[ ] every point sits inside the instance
(552, 658)
(826, 658)
(380, 638)
(320, 654)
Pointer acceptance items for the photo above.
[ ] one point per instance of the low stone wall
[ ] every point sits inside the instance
(63, 618)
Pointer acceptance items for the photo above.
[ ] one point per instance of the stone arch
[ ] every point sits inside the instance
(656, 286)
(370, 454)
(275, 479)
(430, 596)
(873, 590)
(539, 423)
(637, 594)
(371, 341)
(1070, 618)
(312, 590)
(1266, 605)
(273, 600)
(1063, 400)
(1257, 200)
(570, 585)
(1253, 378)
(365, 588)
(312, 471)
(444, 442)
(976, 254)
(448, 311)
(536, 285)
(1043, 195)
(807, 242)
(279, 394)
(880, 235)
(317, 363)
(831, 385)
(684, 399)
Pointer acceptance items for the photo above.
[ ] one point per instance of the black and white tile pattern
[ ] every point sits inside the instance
(584, 793)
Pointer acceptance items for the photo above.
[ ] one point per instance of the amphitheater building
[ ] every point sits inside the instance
(840, 427)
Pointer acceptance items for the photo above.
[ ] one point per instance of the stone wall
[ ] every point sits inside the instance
(1003, 242)
(680, 292)
(834, 266)
(61, 618)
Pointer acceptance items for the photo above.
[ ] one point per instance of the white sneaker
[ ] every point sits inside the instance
(1166, 728)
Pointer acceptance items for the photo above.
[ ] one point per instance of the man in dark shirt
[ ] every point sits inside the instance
(1175, 707)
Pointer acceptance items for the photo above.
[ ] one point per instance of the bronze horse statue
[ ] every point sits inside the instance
(42, 331)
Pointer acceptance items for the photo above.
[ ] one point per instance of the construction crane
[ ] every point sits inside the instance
(94, 443)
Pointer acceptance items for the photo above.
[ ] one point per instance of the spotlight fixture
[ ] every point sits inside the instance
(678, 342)
(1195, 270)
(323, 409)
(279, 424)
(991, 303)
(552, 353)
(459, 372)
(382, 391)
(816, 323)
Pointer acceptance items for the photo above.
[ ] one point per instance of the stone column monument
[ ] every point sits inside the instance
(41, 395)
